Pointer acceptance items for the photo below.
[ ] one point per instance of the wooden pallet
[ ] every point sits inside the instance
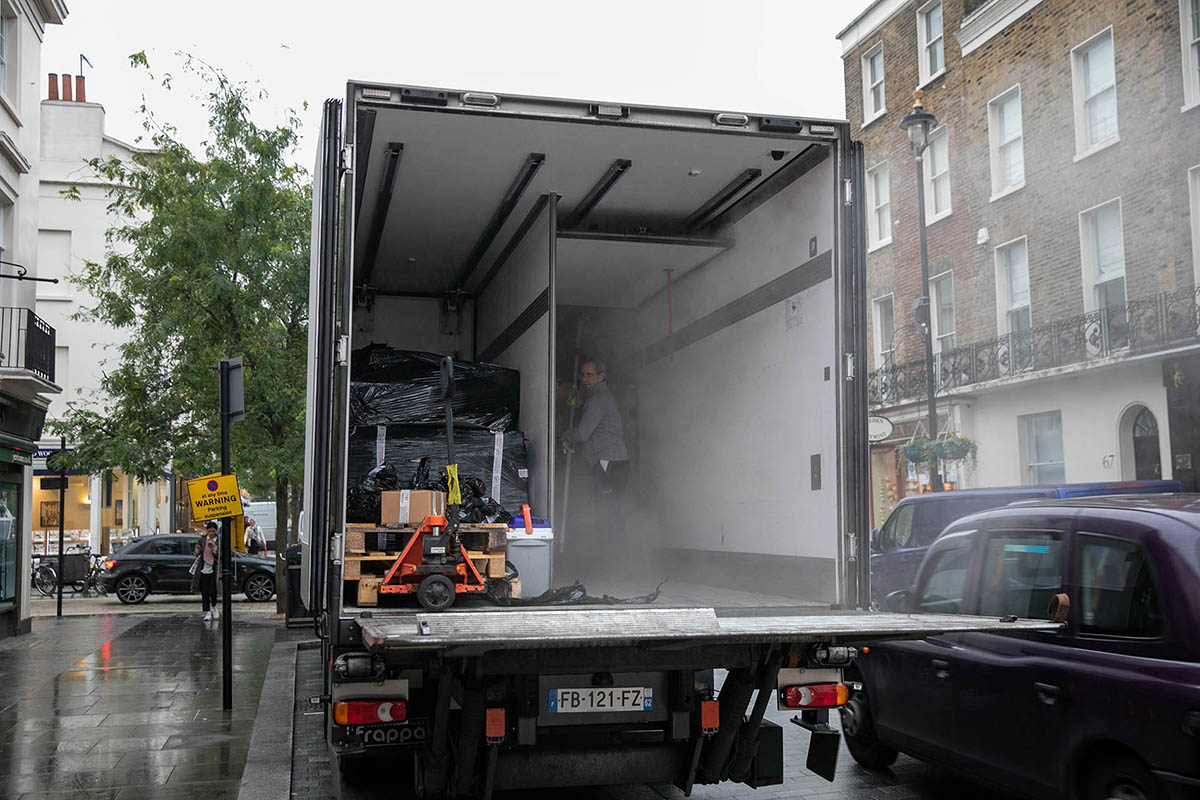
(374, 563)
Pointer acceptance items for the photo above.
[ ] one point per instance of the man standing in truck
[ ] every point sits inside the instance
(600, 433)
(601, 441)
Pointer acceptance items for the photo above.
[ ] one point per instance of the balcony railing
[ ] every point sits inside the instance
(26, 342)
(1170, 319)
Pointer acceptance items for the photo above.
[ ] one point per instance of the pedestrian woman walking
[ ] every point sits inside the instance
(204, 572)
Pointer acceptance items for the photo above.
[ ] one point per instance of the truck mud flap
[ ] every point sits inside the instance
(824, 743)
(767, 767)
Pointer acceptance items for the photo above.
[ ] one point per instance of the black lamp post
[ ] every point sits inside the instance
(917, 124)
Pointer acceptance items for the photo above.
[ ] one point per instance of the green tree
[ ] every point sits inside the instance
(208, 259)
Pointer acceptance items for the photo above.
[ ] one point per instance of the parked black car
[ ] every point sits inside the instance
(162, 564)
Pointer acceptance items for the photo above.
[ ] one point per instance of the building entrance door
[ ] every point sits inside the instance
(1146, 457)
(1181, 377)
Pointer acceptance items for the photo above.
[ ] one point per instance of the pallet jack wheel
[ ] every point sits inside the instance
(436, 593)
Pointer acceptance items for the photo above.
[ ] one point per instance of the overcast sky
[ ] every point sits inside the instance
(768, 56)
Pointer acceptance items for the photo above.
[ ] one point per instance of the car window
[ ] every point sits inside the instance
(897, 530)
(132, 548)
(1022, 570)
(1116, 586)
(945, 579)
(935, 515)
(165, 547)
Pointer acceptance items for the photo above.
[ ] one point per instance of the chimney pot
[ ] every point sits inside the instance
(80, 96)
(53, 86)
(66, 92)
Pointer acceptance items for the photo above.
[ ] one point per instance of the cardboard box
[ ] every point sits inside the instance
(410, 506)
(368, 591)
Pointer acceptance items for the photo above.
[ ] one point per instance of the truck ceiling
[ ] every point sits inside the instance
(441, 190)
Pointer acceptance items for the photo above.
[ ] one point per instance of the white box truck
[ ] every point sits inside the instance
(486, 226)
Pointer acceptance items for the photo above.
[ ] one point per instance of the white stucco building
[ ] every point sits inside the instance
(27, 378)
(100, 510)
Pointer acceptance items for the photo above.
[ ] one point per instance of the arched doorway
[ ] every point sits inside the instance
(1140, 457)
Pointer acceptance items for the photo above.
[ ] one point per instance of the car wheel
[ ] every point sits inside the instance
(1121, 777)
(132, 589)
(259, 587)
(862, 738)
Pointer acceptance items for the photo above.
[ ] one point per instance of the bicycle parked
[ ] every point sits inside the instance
(82, 575)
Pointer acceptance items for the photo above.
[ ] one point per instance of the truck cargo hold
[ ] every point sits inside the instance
(712, 262)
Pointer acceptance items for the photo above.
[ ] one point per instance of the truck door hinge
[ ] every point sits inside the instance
(852, 549)
(850, 366)
(343, 350)
(848, 191)
(347, 158)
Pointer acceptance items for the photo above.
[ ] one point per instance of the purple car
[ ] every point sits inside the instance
(1108, 707)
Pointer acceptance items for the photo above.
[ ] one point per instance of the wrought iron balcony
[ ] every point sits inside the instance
(26, 342)
(1166, 320)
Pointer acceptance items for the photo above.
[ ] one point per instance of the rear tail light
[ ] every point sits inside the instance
(110, 563)
(495, 725)
(815, 695)
(370, 712)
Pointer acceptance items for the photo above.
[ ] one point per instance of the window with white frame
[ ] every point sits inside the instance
(8, 50)
(1189, 29)
(879, 224)
(1042, 440)
(885, 331)
(1194, 195)
(872, 79)
(1007, 141)
(937, 176)
(932, 53)
(941, 287)
(1094, 78)
(1012, 267)
(1103, 246)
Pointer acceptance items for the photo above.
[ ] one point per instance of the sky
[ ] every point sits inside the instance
(766, 56)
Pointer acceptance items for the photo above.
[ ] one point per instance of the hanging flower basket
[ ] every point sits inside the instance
(954, 447)
(916, 450)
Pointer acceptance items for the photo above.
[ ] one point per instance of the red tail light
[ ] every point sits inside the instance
(110, 563)
(370, 712)
(815, 695)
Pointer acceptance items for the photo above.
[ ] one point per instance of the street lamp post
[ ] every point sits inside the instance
(917, 124)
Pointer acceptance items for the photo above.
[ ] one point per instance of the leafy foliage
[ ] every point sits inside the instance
(208, 260)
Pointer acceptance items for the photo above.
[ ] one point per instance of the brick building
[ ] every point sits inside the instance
(1063, 225)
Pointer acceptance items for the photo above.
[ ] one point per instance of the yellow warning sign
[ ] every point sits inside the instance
(214, 497)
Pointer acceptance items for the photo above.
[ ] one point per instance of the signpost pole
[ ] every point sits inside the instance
(226, 556)
(62, 507)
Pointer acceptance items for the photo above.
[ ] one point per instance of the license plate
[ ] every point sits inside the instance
(592, 698)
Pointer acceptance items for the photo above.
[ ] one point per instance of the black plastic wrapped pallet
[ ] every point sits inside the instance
(404, 446)
(391, 387)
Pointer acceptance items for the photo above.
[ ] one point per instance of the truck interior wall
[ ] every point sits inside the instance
(415, 323)
(513, 329)
(724, 431)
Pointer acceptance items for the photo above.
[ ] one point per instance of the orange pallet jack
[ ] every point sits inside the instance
(433, 565)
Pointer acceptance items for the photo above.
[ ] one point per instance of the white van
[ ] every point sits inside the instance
(264, 514)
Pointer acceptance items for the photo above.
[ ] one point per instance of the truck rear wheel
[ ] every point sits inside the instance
(436, 593)
(862, 738)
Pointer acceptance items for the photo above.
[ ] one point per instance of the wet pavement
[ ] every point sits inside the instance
(129, 706)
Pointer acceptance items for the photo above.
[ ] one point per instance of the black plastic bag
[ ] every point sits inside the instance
(416, 456)
(391, 387)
